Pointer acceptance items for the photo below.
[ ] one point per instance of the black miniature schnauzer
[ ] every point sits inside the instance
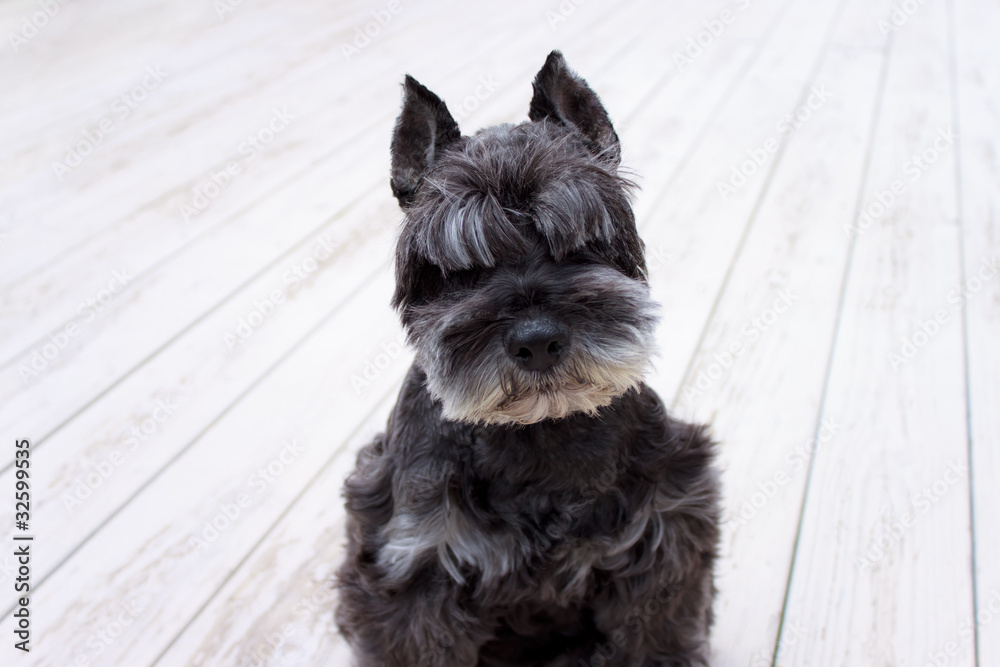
(531, 503)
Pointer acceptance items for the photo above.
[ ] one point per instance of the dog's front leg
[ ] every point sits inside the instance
(666, 626)
(419, 625)
(402, 611)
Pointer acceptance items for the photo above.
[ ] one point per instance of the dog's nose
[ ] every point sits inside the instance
(538, 344)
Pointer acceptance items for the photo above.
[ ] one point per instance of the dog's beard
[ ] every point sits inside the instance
(494, 390)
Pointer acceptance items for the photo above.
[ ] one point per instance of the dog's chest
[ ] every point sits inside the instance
(535, 538)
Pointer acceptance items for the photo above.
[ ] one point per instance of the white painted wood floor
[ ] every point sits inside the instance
(195, 235)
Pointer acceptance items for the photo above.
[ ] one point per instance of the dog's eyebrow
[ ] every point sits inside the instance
(466, 230)
(493, 198)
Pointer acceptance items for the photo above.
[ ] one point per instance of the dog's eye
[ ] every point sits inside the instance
(466, 278)
(582, 255)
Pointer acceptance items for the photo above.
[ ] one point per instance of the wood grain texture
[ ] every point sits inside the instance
(977, 97)
(774, 321)
(885, 528)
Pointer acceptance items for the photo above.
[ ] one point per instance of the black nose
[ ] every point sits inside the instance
(537, 344)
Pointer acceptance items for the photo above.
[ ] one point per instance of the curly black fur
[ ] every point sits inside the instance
(555, 518)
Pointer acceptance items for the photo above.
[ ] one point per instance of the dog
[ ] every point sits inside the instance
(531, 502)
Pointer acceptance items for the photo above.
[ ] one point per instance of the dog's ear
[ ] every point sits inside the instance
(423, 129)
(564, 97)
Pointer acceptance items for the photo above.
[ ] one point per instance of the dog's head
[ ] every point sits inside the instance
(520, 276)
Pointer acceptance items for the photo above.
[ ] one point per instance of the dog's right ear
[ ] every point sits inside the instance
(563, 97)
(424, 128)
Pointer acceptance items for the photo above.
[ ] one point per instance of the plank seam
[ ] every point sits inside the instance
(215, 420)
(298, 245)
(379, 405)
(876, 113)
(960, 220)
(710, 118)
(752, 218)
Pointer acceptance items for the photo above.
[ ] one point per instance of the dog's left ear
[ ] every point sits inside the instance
(424, 128)
(564, 97)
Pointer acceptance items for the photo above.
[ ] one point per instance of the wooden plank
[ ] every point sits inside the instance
(197, 145)
(180, 537)
(978, 293)
(277, 608)
(83, 73)
(691, 229)
(190, 127)
(137, 198)
(143, 424)
(238, 55)
(682, 110)
(759, 370)
(881, 573)
(745, 634)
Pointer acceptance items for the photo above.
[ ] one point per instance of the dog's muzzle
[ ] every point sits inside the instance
(538, 344)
